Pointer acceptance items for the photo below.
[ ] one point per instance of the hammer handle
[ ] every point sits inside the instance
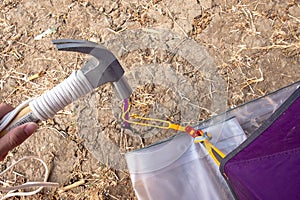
(24, 116)
(49, 103)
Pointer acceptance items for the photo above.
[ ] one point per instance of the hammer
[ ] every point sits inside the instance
(103, 67)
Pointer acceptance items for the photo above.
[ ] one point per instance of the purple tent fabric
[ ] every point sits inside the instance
(267, 164)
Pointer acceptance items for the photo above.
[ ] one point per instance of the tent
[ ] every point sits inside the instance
(261, 140)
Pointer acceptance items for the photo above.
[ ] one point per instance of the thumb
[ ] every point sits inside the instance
(15, 137)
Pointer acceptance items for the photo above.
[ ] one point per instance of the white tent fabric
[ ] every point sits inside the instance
(179, 169)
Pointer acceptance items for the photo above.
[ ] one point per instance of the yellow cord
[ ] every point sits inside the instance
(210, 148)
(168, 125)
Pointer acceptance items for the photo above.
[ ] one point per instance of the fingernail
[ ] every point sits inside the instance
(30, 128)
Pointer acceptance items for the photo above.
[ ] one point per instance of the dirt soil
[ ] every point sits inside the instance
(186, 61)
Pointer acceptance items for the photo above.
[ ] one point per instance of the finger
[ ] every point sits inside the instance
(5, 108)
(15, 137)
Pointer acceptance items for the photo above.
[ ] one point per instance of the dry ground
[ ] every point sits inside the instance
(255, 46)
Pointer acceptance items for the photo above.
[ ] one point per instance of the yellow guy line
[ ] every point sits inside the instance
(213, 151)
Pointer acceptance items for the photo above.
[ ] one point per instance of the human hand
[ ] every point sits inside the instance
(15, 136)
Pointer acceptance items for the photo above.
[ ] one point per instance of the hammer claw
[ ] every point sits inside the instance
(65, 41)
(76, 47)
(103, 68)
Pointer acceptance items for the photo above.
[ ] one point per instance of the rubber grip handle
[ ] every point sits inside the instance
(24, 116)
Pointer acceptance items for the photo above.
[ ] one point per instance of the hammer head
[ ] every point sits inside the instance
(102, 68)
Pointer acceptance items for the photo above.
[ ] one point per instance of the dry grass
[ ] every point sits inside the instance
(249, 58)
